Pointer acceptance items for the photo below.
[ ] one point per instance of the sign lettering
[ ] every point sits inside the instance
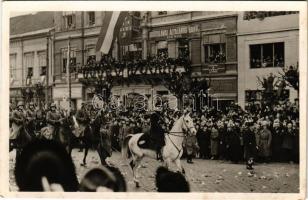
(175, 32)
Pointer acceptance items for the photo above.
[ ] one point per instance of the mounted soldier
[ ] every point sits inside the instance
(31, 118)
(18, 119)
(83, 119)
(53, 119)
(157, 134)
(19, 136)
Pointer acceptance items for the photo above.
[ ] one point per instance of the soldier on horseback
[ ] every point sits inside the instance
(17, 119)
(157, 134)
(83, 119)
(18, 134)
(31, 118)
(53, 119)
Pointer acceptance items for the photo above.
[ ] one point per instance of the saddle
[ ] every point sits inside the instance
(147, 142)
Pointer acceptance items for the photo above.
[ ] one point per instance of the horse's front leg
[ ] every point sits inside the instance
(167, 162)
(135, 166)
(179, 166)
(86, 149)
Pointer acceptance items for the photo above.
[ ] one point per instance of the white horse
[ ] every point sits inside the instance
(171, 152)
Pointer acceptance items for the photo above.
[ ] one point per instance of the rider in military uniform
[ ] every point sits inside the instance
(82, 116)
(53, 119)
(31, 117)
(157, 134)
(17, 118)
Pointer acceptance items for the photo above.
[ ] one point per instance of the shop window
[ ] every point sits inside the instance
(267, 55)
(215, 53)
(91, 18)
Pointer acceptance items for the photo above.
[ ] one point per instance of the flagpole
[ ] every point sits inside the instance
(68, 73)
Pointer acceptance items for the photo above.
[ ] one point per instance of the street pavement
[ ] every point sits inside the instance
(203, 175)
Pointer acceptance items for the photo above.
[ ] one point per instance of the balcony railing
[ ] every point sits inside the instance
(152, 67)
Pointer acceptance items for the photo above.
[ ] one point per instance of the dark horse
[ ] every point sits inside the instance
(22, 139)
(90, 138)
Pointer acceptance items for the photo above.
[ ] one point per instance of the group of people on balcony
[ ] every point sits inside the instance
(152, 65)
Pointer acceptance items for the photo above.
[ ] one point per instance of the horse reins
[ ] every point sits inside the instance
(171, 133)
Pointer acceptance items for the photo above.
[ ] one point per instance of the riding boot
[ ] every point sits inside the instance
(158, 155)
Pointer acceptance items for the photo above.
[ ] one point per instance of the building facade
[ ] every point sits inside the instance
(30, 50)
(80, 30)
(207, 38)
(265, 46)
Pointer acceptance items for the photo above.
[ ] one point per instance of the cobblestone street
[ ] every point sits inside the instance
(203, 175)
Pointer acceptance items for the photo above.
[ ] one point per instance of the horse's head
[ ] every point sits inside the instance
(188, 125)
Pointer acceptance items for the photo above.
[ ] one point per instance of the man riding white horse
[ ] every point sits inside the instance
(157, 134)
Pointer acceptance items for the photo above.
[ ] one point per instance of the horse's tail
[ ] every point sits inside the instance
(126, 154)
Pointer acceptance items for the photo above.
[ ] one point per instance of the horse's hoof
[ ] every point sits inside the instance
(137, 184)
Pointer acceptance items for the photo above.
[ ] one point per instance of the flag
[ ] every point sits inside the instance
(111, 25)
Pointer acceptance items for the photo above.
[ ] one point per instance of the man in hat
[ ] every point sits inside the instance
(31, 118)
(53, 119)
(157, 134)
(250, 146)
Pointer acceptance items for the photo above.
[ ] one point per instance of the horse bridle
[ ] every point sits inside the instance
(172, 133)
(187, 129)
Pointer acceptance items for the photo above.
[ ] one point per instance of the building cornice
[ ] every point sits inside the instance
(34, 34)
(266, 32)
(193, 19)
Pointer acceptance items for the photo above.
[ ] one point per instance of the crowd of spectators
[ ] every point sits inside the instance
(221, 134)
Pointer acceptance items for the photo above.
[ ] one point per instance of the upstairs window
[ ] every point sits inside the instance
(183, 48)
(13, 66)
(91, 18)
(214, 48)
(42, 62)
(29, 64)
(30, 72)
(162, 12)
(91, 55)
(69, 19)
(215, 53)
(267, 55)
(72, 60)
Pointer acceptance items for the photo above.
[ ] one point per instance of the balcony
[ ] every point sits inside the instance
(151, 71)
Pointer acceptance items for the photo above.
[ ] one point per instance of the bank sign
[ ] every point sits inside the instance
(176, 32)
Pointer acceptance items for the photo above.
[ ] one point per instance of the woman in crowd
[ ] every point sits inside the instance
(264, 143)
(214, 142)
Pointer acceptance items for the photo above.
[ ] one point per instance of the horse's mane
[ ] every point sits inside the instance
(176, 123)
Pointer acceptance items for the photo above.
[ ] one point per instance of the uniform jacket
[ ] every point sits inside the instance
(191, 145)
(18, 117)
(82, 117)
(53, 118)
